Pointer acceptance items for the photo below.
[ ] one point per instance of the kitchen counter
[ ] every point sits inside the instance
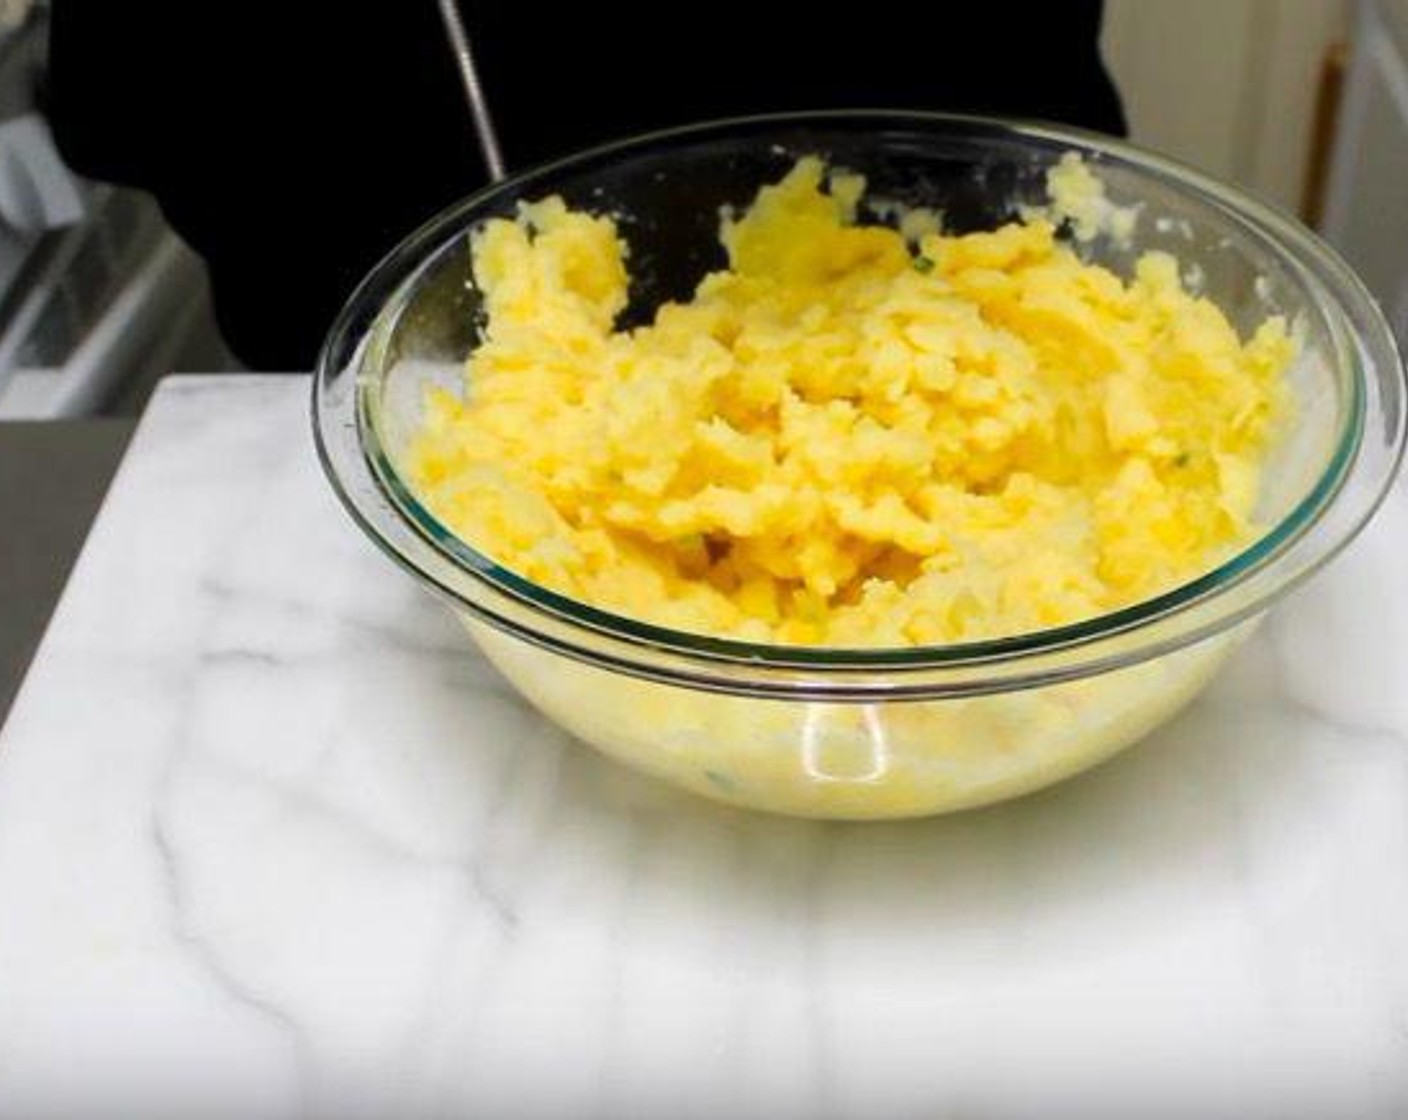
(274, 841)
(53, 475)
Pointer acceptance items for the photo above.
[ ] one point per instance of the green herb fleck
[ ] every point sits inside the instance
(1182, 459)
(923, 263)
(723, 781)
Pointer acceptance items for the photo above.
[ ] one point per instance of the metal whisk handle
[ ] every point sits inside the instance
(473, 91)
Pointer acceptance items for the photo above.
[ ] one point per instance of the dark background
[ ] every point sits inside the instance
(292, 145)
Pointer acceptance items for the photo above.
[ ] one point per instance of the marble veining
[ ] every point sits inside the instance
(275, 842)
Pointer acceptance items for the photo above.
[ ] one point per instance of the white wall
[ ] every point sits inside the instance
(1228, 85)
(1366, 208)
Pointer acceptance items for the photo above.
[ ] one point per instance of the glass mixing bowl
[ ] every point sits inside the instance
(867, 733)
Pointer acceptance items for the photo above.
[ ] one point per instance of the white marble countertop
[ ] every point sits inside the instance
(274, 842)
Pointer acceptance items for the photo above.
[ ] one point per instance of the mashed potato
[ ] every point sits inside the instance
(847, 438)
(854, 436)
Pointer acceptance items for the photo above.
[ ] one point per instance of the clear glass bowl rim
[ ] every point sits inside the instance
(546, 618)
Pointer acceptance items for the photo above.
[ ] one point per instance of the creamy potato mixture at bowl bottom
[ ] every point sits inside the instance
(858, 761)
(853, 436)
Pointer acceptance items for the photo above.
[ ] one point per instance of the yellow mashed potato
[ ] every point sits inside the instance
(849, 437)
